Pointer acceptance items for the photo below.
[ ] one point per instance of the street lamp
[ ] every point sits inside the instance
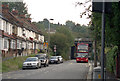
(49, 36)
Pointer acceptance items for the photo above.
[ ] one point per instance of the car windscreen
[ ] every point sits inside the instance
(82, 56)
(59, 56)
(30, 59)
(53, 57)
(37, 55)
(42, 57)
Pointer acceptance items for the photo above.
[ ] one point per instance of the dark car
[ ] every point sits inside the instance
(54, 59)
(44, 59)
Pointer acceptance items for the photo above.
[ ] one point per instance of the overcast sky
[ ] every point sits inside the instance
(59, 10)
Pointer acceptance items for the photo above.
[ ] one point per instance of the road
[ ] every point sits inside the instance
(67, 70)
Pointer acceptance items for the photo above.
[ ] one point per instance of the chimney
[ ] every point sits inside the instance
(5, 7)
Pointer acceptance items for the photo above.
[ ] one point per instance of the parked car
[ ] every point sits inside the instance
(40, 55)
(54, 59)
(44, 59)
(32, 62)
(60, 58)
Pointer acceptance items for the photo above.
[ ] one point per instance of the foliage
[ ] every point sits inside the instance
(111, 59)
(19, 6)
(60, 40)
(67, 33)
(113, 26)
(14, 63)
(63, 39)
(112, 33)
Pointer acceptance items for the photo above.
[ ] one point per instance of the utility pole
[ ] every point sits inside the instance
(49, 36)
(103, 41)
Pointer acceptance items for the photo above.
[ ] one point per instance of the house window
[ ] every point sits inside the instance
(7, 27)
(18, 44)
(13, 44)
(13, 29)
(10, 29)
(5, 44)
(23, 45)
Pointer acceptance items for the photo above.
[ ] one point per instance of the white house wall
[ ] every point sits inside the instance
(1, 43)
(1, 24)
(19, 31)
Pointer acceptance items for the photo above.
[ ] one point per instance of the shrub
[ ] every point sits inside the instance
(111, 59)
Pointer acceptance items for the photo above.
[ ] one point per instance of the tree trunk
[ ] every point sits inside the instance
(95, 55)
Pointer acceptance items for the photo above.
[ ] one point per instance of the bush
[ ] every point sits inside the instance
(111, 59)
(14, 63)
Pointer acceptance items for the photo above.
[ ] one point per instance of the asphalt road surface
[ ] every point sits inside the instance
(67, 70)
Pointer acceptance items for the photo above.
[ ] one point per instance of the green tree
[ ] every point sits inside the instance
(60, 40)
(64, 30)
(112, 33)
(20, 6)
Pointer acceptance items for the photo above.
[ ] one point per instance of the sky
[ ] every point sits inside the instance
(59, 10)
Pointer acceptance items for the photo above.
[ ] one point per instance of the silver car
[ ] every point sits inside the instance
(54, 59)
(32, 62)
(60, 58)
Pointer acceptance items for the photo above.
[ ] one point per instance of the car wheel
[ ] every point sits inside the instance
(23, 68)
(58, 62)
(44, 65)
(40, 66)
(47, 65)
(37, 66)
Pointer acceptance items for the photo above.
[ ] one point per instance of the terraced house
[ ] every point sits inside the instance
(18, 35)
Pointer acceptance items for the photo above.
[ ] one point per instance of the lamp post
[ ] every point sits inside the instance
(49, 36)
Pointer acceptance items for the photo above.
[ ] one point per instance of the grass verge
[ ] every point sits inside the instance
(14, 63)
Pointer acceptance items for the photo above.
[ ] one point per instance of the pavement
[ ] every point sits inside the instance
(109, 76)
